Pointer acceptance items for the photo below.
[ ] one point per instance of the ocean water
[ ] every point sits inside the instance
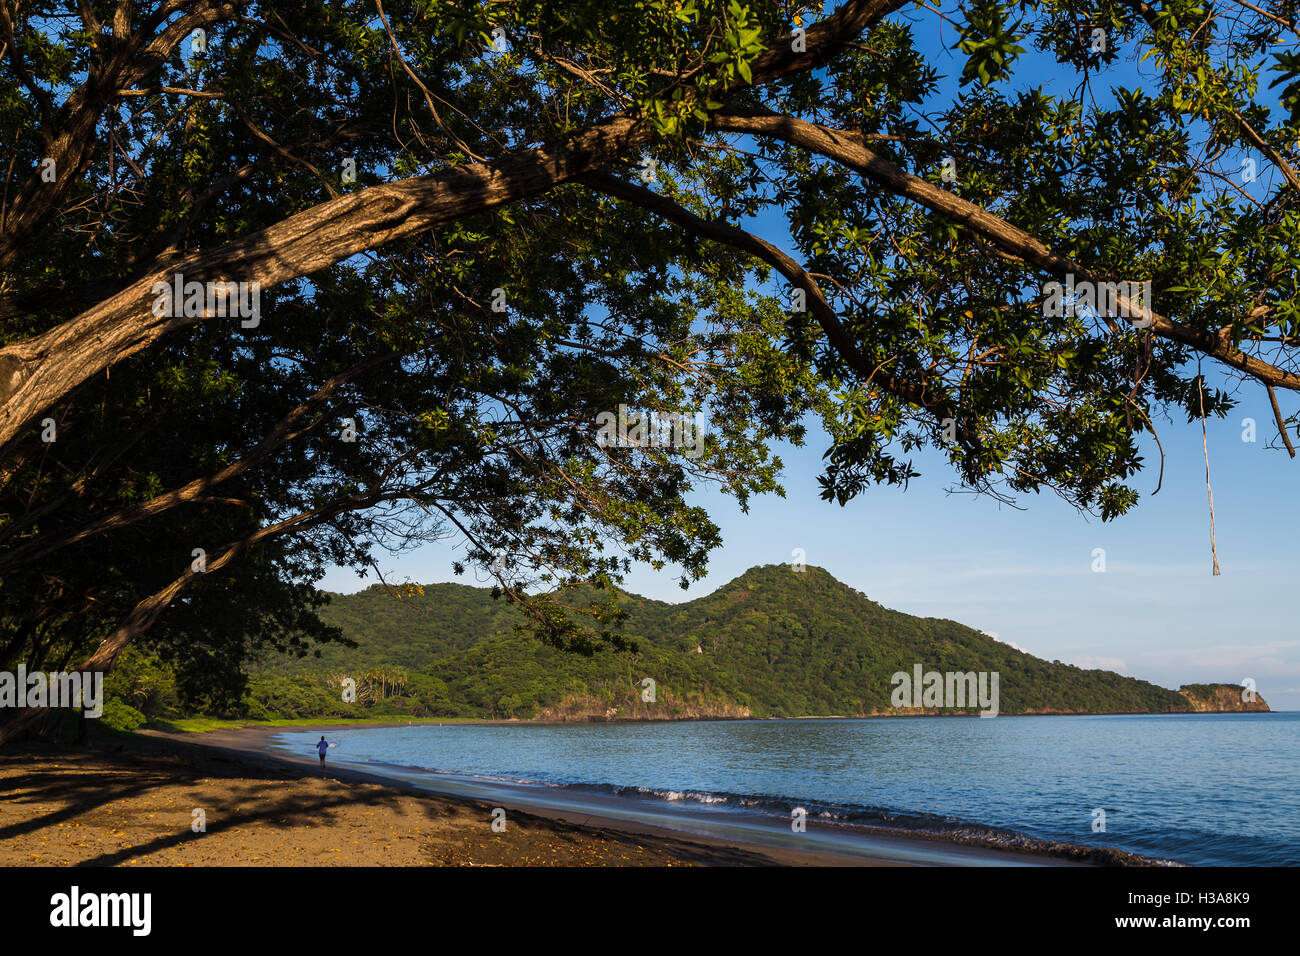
(1199, 789)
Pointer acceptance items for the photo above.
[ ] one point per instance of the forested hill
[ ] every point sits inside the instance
(771, 643)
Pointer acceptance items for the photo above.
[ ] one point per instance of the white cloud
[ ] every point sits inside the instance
(1116, 664)
(994, 635)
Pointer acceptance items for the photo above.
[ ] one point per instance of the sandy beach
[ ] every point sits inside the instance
(125, 801)
(132, 800)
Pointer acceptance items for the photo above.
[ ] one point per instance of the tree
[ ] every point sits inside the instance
(384, 401)
(465, 230)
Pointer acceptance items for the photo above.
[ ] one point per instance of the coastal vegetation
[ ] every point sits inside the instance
(774, 642)
(462, 235)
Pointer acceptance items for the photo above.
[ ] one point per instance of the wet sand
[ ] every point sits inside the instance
(126, 801)
(131, 799)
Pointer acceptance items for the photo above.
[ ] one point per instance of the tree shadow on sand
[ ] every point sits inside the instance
(83, 786)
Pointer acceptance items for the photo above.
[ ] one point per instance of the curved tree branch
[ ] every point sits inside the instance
(35, 372)
(850, 149)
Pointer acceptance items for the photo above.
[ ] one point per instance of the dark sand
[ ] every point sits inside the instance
(130, 800)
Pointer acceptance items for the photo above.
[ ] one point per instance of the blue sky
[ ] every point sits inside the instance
(1027, 576)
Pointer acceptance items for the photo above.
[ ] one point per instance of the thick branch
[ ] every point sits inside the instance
(70, 138)
(36, 372)
(146, 612)
(286, 430)
(850, 149)
(761, 249)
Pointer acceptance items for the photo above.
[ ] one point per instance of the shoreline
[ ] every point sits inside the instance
(254, 745)
(134, 800)
(342, 723)
(127, 799)
(862, 843)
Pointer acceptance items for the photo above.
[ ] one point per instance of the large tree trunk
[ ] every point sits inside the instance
(36, 372)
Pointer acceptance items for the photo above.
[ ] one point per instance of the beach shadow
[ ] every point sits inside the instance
(88, 781)
(282, 814)
(83, 791)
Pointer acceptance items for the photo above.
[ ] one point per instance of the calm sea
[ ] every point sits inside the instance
(1221, 789)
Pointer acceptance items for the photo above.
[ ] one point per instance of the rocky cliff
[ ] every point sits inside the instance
(1222, 698)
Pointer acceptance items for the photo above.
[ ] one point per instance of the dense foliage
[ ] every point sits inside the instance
(772, 643)
(474, 228)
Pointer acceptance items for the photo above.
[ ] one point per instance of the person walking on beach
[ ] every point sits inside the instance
(320, 749)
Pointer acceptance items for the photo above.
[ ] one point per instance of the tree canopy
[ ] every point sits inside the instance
(435, 240)
(770, 643)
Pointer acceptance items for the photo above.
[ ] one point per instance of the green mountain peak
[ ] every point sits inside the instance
(773, 642)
